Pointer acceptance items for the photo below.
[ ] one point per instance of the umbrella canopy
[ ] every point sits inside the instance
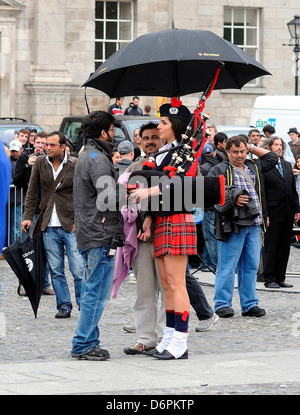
(174, 62)
(27, 260)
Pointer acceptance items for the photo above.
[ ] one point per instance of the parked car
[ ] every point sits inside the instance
(124, 124)
(231, 130)
(9, 123)
(71, 127)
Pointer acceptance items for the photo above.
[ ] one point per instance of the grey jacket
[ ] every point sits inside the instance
(96, 197)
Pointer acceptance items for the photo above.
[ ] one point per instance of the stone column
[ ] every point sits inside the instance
(9, 12)
(50, 83)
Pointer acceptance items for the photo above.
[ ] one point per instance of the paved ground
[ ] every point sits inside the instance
(240, 356)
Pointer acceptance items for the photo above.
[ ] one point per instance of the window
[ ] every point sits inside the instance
(241, 27)
(113, 28)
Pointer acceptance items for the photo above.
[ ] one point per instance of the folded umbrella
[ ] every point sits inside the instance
(28, 262)
(33, 253)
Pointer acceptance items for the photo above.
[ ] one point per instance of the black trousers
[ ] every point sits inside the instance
(197, 297)
(277, 250)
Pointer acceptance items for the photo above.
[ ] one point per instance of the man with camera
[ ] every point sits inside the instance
(98, 227)
(26, 161)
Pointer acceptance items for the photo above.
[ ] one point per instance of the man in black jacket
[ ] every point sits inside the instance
(283, 209)
(241, 249)
(220, 140)
(210, 253)
(98, 227)
(134, 108)
(26, 161)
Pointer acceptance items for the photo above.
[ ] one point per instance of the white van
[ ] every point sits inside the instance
(281, 111)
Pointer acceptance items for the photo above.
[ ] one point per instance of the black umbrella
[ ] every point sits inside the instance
(15, 260)
(35, 258)
(172, 63)
(27, 260)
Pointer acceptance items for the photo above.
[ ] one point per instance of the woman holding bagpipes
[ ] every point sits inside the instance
(174, 239)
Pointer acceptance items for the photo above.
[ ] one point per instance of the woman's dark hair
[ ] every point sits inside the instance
(178, 127)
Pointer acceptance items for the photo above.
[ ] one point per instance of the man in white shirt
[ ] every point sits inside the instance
(58, 219)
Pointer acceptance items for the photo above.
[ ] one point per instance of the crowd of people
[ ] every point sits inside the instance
(90, 220)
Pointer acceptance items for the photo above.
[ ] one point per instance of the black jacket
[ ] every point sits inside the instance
(258, 167)
(207, 164)
(133, 110)
(96, 195)
(230, 217)
(281, 195)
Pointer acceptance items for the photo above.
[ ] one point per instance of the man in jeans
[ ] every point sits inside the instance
(238, 242)
(99, 229)
(58, 219)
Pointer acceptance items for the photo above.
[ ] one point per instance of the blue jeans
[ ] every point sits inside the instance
(208, 222)
(15, 223)
(55, 238)
(47, 272)
(242, 251)
(96, 291)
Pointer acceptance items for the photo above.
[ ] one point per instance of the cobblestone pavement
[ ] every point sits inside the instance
(24, 338)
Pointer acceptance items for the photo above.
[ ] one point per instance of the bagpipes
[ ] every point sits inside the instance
(187, 154)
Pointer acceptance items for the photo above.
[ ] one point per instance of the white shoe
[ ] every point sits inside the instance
(205, 325)
(130, 328)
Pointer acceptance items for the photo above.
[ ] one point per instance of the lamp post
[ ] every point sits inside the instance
(294, 29)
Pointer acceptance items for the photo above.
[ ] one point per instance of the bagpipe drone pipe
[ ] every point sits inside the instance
(203, 192)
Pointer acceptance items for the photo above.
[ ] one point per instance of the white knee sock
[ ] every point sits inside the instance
(178, 344)
(167, 337)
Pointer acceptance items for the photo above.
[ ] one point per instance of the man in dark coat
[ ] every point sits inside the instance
(134, 108)
(283, 208)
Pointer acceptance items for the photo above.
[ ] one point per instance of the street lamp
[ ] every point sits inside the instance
(294, 29)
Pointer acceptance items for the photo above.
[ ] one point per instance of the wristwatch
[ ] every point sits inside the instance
(251, 148)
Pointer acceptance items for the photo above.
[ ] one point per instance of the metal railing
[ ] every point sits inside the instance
(15, 214)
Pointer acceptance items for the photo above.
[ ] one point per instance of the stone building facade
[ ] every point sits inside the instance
(48, 48)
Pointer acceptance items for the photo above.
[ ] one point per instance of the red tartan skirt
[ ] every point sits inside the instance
(175, 235)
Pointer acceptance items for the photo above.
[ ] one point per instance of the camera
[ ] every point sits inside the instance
(38, 152)
(114, 244)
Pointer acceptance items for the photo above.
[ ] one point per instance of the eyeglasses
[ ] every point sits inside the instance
(52, 145)
(112, 129)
